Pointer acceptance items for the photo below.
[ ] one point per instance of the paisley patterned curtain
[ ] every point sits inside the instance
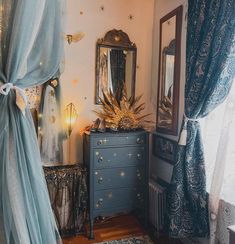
(209, 74)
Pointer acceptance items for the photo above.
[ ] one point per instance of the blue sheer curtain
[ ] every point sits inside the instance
(209, 74)
(31, 49)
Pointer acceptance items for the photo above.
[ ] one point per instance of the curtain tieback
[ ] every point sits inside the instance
(21, 99)
(183, 134)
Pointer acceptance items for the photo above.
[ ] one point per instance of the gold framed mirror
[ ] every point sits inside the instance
(115, 64)
(169, 72)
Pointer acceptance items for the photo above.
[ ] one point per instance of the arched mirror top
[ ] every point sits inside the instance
(116, 38)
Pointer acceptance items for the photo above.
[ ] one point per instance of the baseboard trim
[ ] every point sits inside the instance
(194, 241)
(186, 241)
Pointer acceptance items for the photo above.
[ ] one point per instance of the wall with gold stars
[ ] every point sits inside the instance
(95, 18)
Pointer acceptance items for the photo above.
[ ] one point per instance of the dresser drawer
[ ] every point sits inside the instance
(120, 140)
(116, 198)
(118, 157)
(119, 177)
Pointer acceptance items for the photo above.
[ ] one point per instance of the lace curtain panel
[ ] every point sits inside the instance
(33, 96)
(50, 128)
(44, 104)
(218, 130)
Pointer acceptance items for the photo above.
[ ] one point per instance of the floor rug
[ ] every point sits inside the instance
(131, 240)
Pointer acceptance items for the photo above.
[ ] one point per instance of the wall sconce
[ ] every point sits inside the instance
(75, 37)
(70, 117)
(70, 120)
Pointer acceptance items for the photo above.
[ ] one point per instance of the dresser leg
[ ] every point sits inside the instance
(91, 228)
(146, 211)
(146, 220)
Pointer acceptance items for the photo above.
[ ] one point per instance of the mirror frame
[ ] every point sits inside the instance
(173, 129)
(115, 39)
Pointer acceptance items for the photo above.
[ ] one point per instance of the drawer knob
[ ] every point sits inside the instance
(139, 140)
(99, 142)
(139, 156)
(100, 159)
(138, 196)
(100, 180)
(100, 201)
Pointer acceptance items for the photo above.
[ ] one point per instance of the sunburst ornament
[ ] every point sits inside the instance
(122, 113)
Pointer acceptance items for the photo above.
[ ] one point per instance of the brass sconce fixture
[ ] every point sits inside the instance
(75, 38)
(70, 120)
(70, 117)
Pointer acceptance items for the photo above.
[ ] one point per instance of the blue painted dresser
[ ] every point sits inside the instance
(117, 166)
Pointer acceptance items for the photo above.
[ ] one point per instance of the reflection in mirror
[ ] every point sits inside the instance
(169, 72)
(115, 64)
(115, 69)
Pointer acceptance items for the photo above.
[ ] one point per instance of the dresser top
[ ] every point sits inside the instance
(117, 134)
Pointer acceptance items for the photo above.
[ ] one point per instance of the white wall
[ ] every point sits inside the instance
(161, 8)
(78, 79)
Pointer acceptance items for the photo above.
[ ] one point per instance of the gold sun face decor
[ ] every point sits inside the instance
(122, 113)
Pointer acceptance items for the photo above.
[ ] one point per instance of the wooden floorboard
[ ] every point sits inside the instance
(116, 228)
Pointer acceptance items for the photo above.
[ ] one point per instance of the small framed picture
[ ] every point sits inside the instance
(164, 148)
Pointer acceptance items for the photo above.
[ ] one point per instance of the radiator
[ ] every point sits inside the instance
(157, 205)
(231, 234)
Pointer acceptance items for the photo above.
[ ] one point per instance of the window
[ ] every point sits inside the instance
(218, 133)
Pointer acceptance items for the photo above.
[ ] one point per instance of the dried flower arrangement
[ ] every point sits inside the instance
(121, 112)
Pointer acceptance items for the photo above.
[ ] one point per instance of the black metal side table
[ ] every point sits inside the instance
(68, 194)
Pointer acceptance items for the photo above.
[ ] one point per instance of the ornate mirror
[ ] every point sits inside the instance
(115, 63)
(169, 72)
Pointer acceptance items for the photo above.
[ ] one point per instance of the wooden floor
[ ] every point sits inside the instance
(116, 228)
